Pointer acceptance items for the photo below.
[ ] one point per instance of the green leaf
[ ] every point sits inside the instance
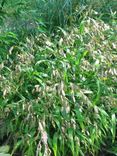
(2, 154)
(113, 128)
(4, 149)
(54, 142)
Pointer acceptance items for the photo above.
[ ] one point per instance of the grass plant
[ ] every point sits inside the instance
(58, 89)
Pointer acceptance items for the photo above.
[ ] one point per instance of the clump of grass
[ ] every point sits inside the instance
(31, 17)
(58, 95)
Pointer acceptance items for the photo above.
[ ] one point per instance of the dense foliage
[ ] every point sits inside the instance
(58, 78)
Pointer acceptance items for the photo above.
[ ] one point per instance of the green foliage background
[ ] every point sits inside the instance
(58, 77)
